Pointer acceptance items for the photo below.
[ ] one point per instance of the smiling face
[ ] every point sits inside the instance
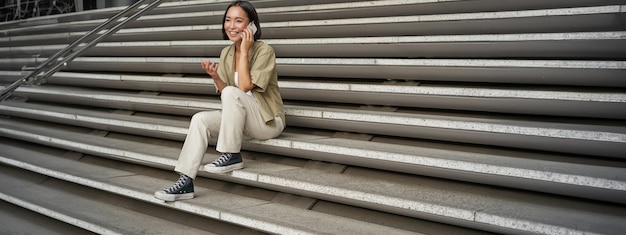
(235, 22)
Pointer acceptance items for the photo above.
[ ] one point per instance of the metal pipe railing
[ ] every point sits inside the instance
(54, 61)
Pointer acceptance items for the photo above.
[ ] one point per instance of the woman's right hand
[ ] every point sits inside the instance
(210, 68)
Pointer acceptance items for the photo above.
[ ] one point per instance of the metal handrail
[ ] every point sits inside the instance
(54, 61)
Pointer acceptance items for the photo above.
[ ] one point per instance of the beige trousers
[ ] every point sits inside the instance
(239, 119)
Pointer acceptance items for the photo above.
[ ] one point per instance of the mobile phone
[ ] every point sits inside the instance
(252, 26)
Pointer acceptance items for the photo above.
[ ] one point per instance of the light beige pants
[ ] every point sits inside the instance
(239, 119)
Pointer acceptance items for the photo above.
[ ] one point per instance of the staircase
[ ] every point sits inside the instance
(404, 117)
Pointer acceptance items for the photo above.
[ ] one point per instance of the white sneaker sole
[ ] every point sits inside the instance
(172, 197)
(221, 170)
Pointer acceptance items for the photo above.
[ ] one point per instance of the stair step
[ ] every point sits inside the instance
(547, 72)
(564, 135)
(474, 206)
(196, 13)
(18, 220)
(244, 211)
(88, 20)
(576, 45)
(89, 210)
(555, 72)
(525, 21)
(557, 174)
(546, 45)
(404, 116)
(359, 9)
(595, 103)
(597, 18)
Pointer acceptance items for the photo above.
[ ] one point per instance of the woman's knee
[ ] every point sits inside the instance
(205, 116)
(229, 91)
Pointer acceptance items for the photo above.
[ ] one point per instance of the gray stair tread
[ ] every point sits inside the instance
(318, 86)
(379, 26)
(195, 104)
(172, 11)
(99, 14)
(198, 12)
(269, 173)
(465, 204)
(551, 168)
(331, 86)
(375, 26)
(88, 213)
(535, 45)
(363, 62)
(589, 174)
(554, 72)
(190, 64)
(502, 116)
(608, 139)
(461, 202)
(18, 220)
(259, 214)
(589, 102)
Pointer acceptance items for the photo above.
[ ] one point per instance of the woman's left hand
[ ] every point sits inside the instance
(210, 68)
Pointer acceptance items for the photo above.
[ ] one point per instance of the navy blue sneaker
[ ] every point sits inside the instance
(225, 163)
(182, 189)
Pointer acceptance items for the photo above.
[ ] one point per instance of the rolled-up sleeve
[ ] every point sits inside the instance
(263, 68)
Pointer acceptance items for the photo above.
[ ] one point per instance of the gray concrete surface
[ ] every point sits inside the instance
(415, 131)
(564, 136)
(471, 206)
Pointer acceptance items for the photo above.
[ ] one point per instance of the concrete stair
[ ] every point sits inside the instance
(430, 117)
(107, 176)
(39, 224)
(98, 210)
(564, 135)
(379, 194)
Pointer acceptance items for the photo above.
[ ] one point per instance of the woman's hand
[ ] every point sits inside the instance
(210, 68)
(243, 68)
(247, 39)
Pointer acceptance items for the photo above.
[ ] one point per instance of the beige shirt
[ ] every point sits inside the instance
(262, 61)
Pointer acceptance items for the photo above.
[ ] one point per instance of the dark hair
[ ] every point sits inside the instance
(252, 15)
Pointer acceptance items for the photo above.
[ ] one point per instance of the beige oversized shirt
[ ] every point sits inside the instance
(262, 61)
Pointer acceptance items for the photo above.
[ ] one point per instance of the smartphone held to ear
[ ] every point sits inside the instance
(252, 27)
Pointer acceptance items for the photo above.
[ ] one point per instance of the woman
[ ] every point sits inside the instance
(251, 103)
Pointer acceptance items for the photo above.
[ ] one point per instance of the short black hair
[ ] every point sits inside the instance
(252, 15)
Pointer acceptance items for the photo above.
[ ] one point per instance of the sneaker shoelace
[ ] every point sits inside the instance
(178, 185)
(222, 159)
